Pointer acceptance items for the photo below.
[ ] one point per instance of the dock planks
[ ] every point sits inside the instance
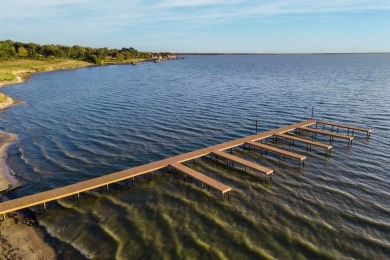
(201, 177)
(306, 141)
(77, 188)
(330, 134)
(281, 152)
(348, 127)
(264, 170)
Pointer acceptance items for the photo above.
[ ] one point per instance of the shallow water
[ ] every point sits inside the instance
(78, 124)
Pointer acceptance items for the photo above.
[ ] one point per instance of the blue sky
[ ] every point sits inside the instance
(269, 26)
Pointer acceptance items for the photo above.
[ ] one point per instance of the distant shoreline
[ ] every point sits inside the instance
(270, 53)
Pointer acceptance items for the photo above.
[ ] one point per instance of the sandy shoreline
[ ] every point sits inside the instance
(20, 237)
(7, 181)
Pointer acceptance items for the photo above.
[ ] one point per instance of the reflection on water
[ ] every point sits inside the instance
(79, 124)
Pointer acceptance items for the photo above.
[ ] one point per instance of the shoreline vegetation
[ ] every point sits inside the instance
(21, 237)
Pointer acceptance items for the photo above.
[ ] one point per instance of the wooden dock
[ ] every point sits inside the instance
(104, 181)
(309, 143)
(331, 135)
(243, 162)
(281, 152)
(348, 127)
(201, 177)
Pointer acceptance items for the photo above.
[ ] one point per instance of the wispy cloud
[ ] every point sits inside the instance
(174, 9)
(127, 18)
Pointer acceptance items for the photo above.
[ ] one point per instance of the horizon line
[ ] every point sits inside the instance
(275, 53)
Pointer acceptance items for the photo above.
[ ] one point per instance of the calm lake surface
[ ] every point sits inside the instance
(79, 124)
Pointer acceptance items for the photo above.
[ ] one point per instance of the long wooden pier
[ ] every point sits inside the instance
(176, 162)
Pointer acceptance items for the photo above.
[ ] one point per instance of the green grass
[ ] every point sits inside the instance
(7, 77)
(9, 69)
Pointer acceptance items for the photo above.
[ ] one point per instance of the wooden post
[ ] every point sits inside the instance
(4, 218)
(78, 196)
(312, 112)
(256, 125)
(44, 206)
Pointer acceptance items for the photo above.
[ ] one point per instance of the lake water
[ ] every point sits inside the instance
(79, 124)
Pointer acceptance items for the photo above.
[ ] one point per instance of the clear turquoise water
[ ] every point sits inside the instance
(78, 124)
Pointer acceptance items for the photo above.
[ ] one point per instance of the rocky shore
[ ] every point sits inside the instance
(21, 238)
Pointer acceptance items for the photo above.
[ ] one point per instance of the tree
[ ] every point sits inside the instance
(22, 52)
(120, 57)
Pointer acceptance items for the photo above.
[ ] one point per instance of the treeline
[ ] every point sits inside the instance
(18, 50)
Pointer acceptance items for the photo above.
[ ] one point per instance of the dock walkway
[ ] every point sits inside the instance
(309, 143)
(201, 177)
(247, 164)
(279, 151)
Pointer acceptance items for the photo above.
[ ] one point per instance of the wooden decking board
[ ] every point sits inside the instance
(333, 134)
(367, 130)
(277, 150)
(73, 189)
(201, 177)
(309, 142)
(246, 163)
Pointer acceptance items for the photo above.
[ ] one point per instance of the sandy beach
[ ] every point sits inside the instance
(20, 237)
(7, 181)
